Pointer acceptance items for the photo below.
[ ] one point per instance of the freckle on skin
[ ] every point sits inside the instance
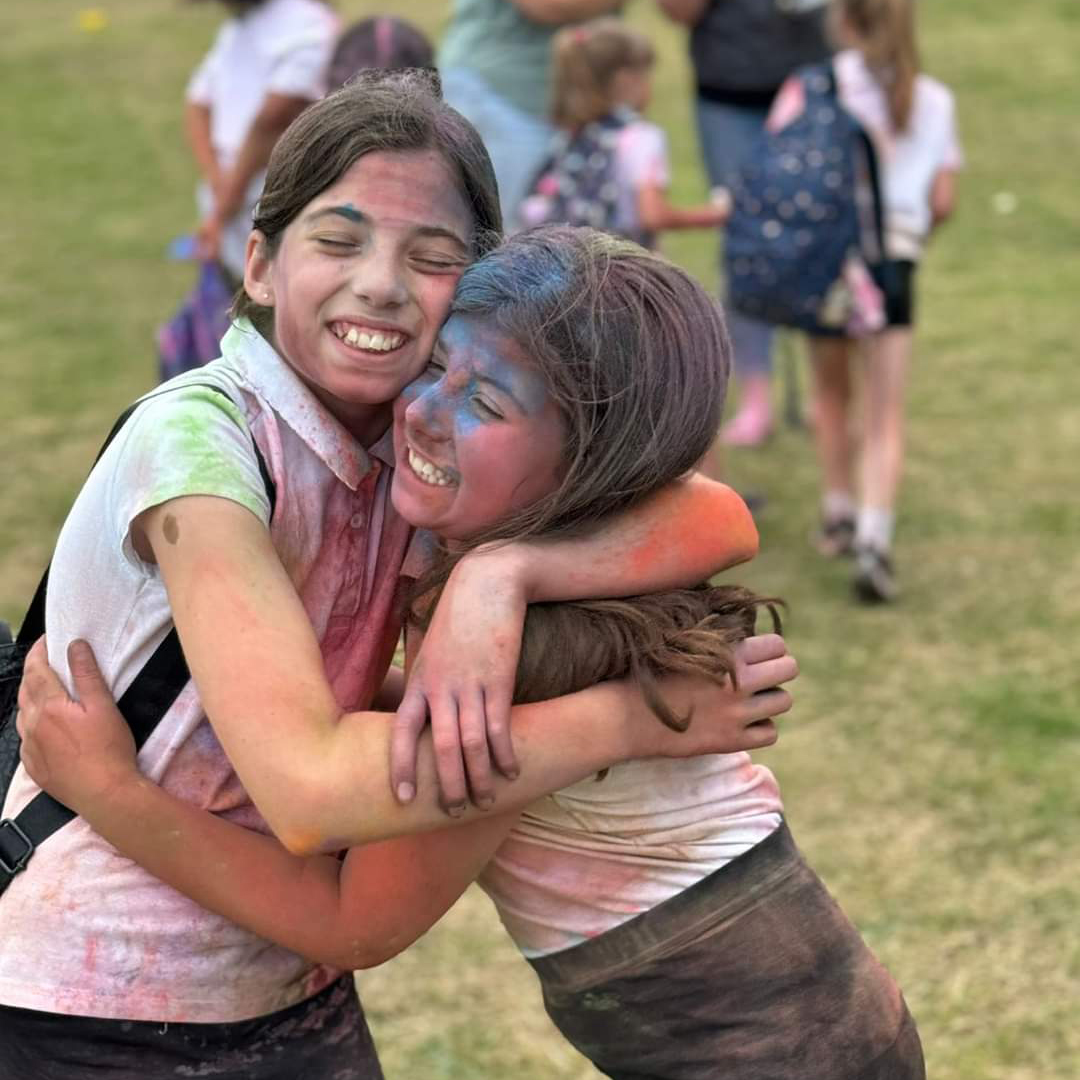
(170, 529)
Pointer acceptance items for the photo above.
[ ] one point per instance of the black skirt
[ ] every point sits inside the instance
(323, 1038)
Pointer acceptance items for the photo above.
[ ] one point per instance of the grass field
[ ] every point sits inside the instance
(930, 765)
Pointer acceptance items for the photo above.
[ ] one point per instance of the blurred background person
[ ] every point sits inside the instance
(610, 166)
(266, 65)
(742, 51)
(382, 41)
(911, 119)
(495, 62)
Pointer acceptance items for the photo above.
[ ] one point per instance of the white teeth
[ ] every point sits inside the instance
(377, 341)
(427, 471)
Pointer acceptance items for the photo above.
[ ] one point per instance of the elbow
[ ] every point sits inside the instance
(298, 818)
(941, 213)
(364, 953)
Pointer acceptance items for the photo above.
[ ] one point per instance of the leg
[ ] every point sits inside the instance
(830, 366)
(884, 387)
(884, 383)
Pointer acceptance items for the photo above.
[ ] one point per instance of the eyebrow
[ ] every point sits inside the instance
(350, 213)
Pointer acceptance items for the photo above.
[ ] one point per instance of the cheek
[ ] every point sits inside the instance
(435, 294)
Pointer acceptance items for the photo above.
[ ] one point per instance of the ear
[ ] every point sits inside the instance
(259, 270)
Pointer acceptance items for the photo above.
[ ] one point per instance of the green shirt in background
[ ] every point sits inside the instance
(511, 53)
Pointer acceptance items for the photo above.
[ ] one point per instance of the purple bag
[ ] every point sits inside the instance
(192, 337)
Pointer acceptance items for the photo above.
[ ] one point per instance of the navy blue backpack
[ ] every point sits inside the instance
(806, 222)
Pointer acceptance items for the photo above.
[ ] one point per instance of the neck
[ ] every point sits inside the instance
(367, 424)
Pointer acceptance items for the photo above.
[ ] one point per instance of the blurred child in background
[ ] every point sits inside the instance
(911, 119)
(378, 42)
(609, 167)
(267, 64)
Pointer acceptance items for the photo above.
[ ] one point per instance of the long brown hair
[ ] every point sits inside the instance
(570, 646)
(635, 354)
(885, 35)
(585, 60)
(377, 110)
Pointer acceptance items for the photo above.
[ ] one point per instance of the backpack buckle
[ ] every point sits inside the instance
(13, 864)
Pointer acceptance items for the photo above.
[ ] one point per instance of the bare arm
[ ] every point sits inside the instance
(558, 12)
(656, 213)
(320, 777)
(276, 113)
(942, 197)
(687, 12)
(464, 677)
(197, 129)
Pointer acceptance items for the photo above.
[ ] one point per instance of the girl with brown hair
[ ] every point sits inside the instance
(282, 594)
(675, 928)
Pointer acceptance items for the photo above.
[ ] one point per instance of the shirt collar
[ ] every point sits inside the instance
(262, 369)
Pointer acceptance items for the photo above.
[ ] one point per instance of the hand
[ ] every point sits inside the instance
(463, 677)
(208, 238)
(77, 750)
(726, 719)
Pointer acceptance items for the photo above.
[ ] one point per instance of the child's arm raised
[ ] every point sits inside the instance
(464, 675)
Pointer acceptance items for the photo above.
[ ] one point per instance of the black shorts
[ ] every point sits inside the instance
(754, 973)
(323, 1038)
(896, 280)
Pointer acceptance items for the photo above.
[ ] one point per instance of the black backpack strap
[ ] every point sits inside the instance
(144, 703)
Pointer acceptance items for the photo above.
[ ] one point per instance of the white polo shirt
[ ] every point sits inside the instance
(85, 930)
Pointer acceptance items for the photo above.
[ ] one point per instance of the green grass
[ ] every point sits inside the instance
(930, 764)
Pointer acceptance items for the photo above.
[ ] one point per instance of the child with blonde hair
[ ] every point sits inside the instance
(609, 166)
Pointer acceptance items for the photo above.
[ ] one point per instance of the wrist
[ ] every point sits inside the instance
(117, 798)
(508, 567)
(637, 735)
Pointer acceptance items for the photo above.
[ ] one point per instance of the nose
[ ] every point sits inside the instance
(378, 279)
(427, 418)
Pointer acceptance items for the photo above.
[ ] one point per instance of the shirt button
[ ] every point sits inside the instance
(357, 521)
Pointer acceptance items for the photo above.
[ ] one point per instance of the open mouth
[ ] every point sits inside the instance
(367, 340)
(428, 471)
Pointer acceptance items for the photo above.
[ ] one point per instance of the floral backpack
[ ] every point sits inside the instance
(577, 183)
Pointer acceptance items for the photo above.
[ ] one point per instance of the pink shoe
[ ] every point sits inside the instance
(746, 428)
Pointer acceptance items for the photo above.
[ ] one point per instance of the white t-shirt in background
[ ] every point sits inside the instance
(909, 159)
(280, 47)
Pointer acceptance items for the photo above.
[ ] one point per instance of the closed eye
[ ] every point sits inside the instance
(487, 409)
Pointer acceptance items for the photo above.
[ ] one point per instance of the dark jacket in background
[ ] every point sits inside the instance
(742, 50)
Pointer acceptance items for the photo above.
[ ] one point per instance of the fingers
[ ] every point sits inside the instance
(753, 650)
(409, 721)
(767, 674)
(759, 735)
(86, 677)
(472, 727)
(449, 764)
(497, 702)
(765, 705)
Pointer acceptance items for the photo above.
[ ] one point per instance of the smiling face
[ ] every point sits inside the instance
(362, 280)
(476, 436)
